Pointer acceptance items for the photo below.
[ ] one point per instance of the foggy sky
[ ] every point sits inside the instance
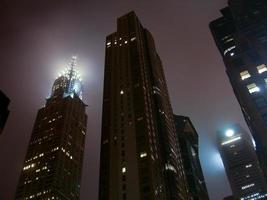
(38, 39)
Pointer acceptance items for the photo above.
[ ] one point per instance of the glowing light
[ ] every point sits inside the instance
(231, 140)
(71, 80)
(229, 133)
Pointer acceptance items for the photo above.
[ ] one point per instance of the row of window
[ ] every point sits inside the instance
(245, 74)
(115, 42)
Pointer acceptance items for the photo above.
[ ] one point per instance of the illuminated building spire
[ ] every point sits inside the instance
(69, 82)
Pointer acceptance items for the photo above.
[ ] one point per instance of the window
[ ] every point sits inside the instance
(247, 186)
(261, 68)
(108, 44)
(143, 154)
(123, 170)
(244, 75)
(228, 50)
(133, 38)
(253, 88)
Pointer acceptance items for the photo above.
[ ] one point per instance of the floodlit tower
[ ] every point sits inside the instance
(241, 164)
(53, 164)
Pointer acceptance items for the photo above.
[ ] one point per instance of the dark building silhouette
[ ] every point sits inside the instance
(241, 36)
(241, 164)
(140, 156)
(4, 112)
(53, 165)
(188, 142)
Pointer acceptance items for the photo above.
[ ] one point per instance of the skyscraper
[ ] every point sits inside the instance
(241, 164)
(140, 156)
(188, 142)
(241, 37)
(53, 164)
(4, 112)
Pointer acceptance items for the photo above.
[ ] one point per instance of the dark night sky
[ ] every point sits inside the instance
(38, 38)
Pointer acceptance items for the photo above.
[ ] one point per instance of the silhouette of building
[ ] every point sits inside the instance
(4, 112)
(241, 164)
(241, 36)
(53, 164)
(140, 156)
(188, 142)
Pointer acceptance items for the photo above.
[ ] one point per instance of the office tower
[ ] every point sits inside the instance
(241, 36)
(241, 164)
(140, 156)
(188, 142)
(4, 112)
(53, 165)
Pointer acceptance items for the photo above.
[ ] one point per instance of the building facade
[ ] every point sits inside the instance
(241, 36)
(241, 164)
(188, 142)
(53, 164)
(140, 156)
(4, 112)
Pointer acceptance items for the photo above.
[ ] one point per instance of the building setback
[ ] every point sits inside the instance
(241, 164)
(4, 112)
(140, 156)
(188, 142)
(241, 37)
(53, 164)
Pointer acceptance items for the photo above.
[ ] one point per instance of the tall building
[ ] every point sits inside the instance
(241, 36)
(4, 112)
(188, 142)
(241, 164)
(140, 155)
(53, 165)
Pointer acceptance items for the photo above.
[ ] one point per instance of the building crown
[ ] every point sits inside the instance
(69, 82)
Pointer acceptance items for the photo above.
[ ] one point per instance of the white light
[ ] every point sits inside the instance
(123, 170)
(143, 154)
(262, 68)
(229, 49)
(253, 88)
(232, 54)
(229, 133)
(121, 92)
(247, 186)
(244, 75)
(230, 141)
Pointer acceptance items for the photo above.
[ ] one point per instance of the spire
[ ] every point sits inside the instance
(70, 80)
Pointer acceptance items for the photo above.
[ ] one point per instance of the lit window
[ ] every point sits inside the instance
(126, 42)
(247, 186)
(231, 140)
(121, 92)
(261, 68)
(244, 75)
(143, 154)
(253, 88)
(123, 170)
(248, 166)
(228, 50)
(133, 38)
(170, 167)
(109, 43)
